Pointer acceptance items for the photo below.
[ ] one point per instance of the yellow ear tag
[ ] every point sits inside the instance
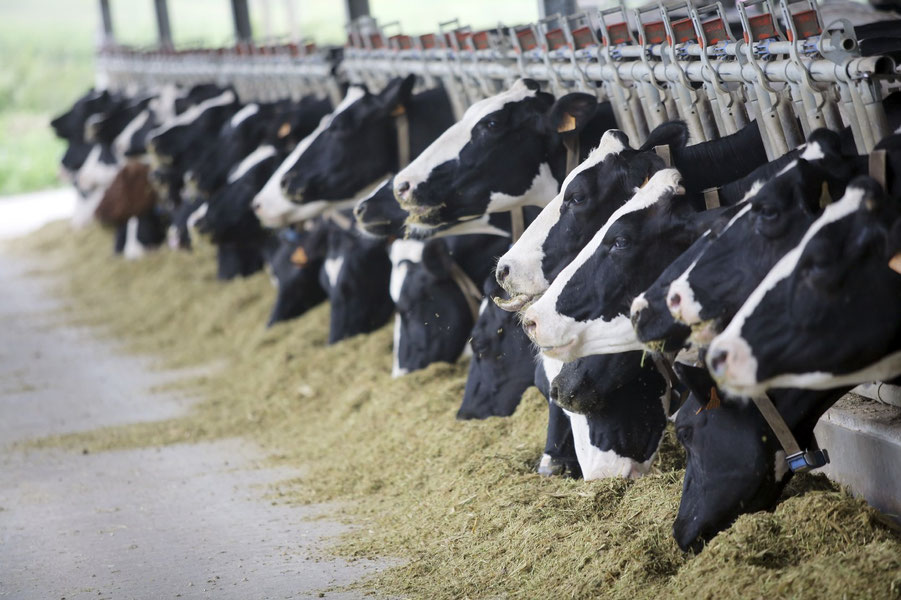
(568, 123)
(284, 130)
(299, 257)
(895, 263)
(399, 110)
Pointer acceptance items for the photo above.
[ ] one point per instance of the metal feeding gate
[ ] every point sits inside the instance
(654, 63)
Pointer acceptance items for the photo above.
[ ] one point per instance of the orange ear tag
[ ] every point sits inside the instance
(284, 130)
(299, 257)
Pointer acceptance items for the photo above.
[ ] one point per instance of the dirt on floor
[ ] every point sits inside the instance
(458, 502)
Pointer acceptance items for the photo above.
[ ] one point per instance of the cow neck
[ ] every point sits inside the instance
(799, 461)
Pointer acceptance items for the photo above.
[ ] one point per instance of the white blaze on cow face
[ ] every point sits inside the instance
(198, 214)
(133, 249)
(450, 143)
(243, 114)
(123, 140)
(523, 260)
(332, 268)
(735, 367)
(250, 161)
(561, 336)
(271, 205)
(812, 151)
(193, 113)
(396, 370)
(402, 254)
(602, 464)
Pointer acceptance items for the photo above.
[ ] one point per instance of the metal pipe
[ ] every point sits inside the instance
(162, 23)
(106, 23)
(241, 16)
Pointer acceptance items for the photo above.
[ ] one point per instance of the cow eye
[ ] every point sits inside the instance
(621, 242)
(576, 199)
(683, 434)
(768, 212)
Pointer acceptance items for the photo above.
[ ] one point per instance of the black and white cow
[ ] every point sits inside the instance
(433, 287)
(72, 126)
(559, 457)
(735, 464)
(707, 294)
(828, 313)
(353, 150)
(585, 310)
(294, 267)
(603, 182)
(617, 407)
(379, 214)
(503, 362)
(356, 274)
(507, 151)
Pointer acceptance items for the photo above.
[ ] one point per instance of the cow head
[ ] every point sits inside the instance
(585, 309)
(502, 365)
(169, 142)
(295, 266)
(827, 314)
(588, 196)
(379, 214)
(735, 464)
(505, 152)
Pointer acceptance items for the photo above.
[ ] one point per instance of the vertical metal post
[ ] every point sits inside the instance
(241, 14)
(291, 16)
(551, 7)
(162, 23)
(356, 9)
(106, 21)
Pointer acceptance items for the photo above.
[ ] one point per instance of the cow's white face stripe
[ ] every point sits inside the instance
(602, 464)
(199, 213)
(562, 335)
(402, 253)
(123, 140)
(133, 248)
(193, 113)
(450, 143)
(332, 268)
(396, 371)
(741, 366)
(243, 114)
(813, 151)
(272, 207)
(250, 161)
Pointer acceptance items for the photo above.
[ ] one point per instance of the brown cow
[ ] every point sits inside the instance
(129, 195)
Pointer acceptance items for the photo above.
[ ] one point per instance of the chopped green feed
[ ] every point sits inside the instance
(458, 502)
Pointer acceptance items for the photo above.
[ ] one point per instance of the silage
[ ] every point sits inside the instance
(457, 501)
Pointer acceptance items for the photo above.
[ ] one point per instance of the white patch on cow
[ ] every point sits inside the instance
(402, 253)
(197, 214)
(780, 466)
(244, 114)
(562, 336)
(602, 464)
(95, 174)
(123, 140)
(523, 260)
(480, 226)
(193, 113)
(755, 189)
(90, 124)
(483, 305)
(332, 267)
(83, 215)
(787, 168)
(270, 204)
(639, 304)
(133, 248)
(542, 190)
(813, 151)
(739, 373)
(450, 143)
(250, 161)
(396, 371)
(163, 106)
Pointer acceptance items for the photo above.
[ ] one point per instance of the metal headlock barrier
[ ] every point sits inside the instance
(655, 63)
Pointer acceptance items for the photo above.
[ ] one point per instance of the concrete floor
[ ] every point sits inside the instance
(187, 521)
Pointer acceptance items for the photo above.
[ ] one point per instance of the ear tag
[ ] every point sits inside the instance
(568, 123)
(399, 110)
(712, 402)
(299, 257)
(284, 130)
(895, 263)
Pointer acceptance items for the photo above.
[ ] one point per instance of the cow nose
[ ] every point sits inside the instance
(674, 301)
(403, 186)
(503, 271)
(360, 210)
(718, 362)
(256, 205)
(402, 190)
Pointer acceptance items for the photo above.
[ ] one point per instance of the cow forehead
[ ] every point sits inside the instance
(610, 144)
(837, 211)
(193, 113)
(243, 114)
(402, 252)
(450, 143)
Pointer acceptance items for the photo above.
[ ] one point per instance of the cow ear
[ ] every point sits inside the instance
(436, 259)
(569, 114)
(697, 379)
(671, 133)
(396, 93)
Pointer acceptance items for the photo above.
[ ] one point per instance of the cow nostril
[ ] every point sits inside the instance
(403, 186)
(554, 391)
(529, 326)
(503, 271)
(360, 210)
(675, 300)
(718, 362)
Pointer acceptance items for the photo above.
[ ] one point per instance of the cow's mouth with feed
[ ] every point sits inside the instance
(515, 302)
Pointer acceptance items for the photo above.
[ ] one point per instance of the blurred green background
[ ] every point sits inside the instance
(46, 54)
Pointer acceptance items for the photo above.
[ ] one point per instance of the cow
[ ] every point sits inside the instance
(603, 182)
(294, 267)
(585, 309)
(503, 362)
(827, 314)
(437, 300)
(734, 463)
(379, 214)
(618, 408)
(559, 457)
(356, 273)
(353, 150)
(707, 294)
(71, 126)
(507, 151)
